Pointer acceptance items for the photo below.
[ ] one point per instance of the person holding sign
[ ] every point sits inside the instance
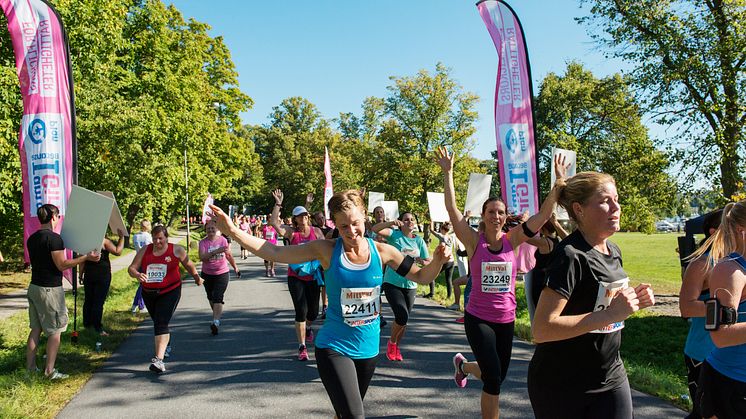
(46, 298)
(400, 291)
(214, 252)
(96, 283)
(156, 266)
(576, 371)
(489, 316)
(347, 344)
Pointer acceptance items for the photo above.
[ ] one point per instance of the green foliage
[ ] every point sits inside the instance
(688, 63)
(600, 119)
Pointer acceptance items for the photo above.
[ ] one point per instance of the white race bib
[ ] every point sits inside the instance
(606, 292)
(360, 306)
(496, 277)
(156, 272)
(216, 256)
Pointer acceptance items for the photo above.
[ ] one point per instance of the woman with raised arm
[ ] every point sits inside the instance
(576, 371)
(722, 380)
(489, 316)
(401, 292)
(302, 284)
(347, 344)
(156, 266)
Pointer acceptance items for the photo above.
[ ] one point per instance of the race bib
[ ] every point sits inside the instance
(216, 256)
(360, 306)
(156, 272)
(606, 292)
(496, 277)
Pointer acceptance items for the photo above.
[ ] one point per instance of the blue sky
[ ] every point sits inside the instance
(336, 53)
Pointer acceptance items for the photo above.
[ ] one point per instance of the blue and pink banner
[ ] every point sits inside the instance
(514, 125)
(47, 127)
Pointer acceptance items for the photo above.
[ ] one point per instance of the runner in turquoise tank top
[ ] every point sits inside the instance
(347, 345)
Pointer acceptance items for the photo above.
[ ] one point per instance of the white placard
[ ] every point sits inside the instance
(391, 208)
(436, 202)
(88, 214)
(375, 199)
(116, 221)
(572, 158)
(478, 192)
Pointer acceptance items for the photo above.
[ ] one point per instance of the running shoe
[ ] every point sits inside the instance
(391, 351)
(272, 271)
(157, 365)
(134, 309)
(56, 375)
(460, 320)
(302, 353)
(459, 375)
(398, 354)
(454, 306)
(168, 352)
(214, 328)
(309, 335)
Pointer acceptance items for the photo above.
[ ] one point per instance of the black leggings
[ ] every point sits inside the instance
(401, 301)
(448, 269)
(305, 295)
(693, 368)
(215, 286)
(719, 395)
(96, 288)
(554, 403)
(161, 307)
(492, 346)
(345, 380)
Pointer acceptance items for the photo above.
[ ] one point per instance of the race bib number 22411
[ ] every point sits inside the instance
(360, 306)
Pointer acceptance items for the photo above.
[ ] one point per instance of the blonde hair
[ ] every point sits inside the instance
(725, 240)
(343, 201)
(580, 188)
(145, 225)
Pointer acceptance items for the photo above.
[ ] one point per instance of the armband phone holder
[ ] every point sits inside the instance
(716, 314)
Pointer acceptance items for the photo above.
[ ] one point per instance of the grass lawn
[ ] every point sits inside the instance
(651, 258)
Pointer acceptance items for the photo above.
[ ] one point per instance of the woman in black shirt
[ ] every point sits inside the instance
(96, 283)
(576, 371)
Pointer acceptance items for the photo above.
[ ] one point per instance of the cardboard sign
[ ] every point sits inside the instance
(478, 192)
(436, 203)
(88, 214)
(391, 208)
(375, 199)
(572, 158)
(116, 221)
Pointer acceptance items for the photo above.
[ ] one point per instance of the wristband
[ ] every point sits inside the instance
(405, 266)
(527, 231)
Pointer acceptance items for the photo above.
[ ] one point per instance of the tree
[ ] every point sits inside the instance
(600, 120)
(689, 61)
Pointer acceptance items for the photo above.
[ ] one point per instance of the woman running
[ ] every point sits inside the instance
(269, 234)
(400, 291)
(489, 316)
(214, 252)
(576, 371)
(445, 236)
(347, 344)
(302, 284)
(156, 266)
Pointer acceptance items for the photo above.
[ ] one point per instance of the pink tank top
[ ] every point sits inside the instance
(218, 263)
(297, 238)
(493, 282)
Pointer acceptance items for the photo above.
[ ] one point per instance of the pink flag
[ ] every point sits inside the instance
(328, 191)
(514, 125)
(206, 209)
(47, 129)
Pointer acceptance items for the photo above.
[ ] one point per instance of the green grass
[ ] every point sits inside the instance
(31, 396)
(651, 258)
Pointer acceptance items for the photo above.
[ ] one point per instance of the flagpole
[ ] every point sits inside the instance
(186, 194)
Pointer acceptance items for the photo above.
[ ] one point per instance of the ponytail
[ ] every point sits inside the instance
(46, 212)
(725, 240)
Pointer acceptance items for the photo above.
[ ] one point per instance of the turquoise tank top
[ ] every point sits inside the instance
(352, 325)
(698, 341)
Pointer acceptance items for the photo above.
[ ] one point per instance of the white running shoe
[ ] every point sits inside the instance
(157, 365)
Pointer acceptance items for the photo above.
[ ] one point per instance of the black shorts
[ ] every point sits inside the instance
(215, 286)
(719, 395)
(556, 403)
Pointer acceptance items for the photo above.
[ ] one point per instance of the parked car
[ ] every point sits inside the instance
(664, 226)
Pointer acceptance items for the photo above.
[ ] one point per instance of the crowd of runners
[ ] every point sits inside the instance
(579, 296)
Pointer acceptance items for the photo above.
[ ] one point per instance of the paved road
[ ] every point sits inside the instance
(249, 370)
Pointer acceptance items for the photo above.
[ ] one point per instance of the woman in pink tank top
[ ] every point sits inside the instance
(490, 315)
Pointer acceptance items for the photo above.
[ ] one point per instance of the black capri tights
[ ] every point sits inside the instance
(492, 345)
(161, 307)
(550, 402)
(345, 380)
(401, 301)
(215, 286)
(305, 295)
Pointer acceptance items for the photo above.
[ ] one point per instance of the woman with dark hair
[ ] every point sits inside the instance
(46, 298)
(96, 283)
(550, 235)
(302, 283)
(156, 266)
(347, 344)
(489, 317)
(400, 291)
(576, 370)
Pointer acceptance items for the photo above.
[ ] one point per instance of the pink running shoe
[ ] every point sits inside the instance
(459, 376)
(309, 335)
(460, 320)
(398, 354)
(391, 350)
(302, 353)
